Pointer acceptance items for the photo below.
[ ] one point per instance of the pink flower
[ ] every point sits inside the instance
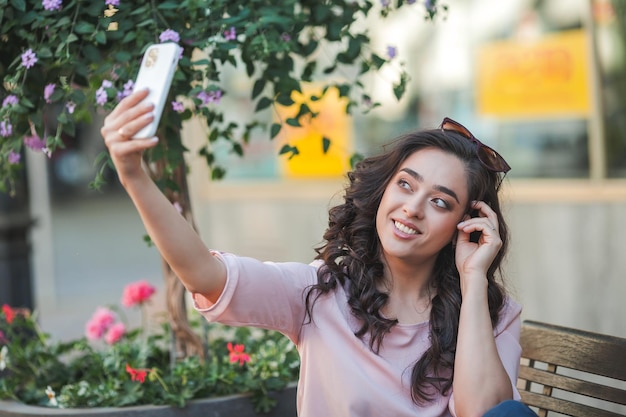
(47, 92)
(103, 316)
(14, 157)
(3, 340)
(93, 331)
(115, 333)
(237, 354)
(169, 35)
(29, 58)
(137, 293)
(100, 322)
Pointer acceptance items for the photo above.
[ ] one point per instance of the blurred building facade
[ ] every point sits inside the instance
(543, 82)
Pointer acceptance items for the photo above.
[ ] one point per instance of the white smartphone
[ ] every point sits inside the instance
(156, 72)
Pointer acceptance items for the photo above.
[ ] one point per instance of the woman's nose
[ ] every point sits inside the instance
(414, 207)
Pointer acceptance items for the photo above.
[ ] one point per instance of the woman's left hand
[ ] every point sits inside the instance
(473, 259)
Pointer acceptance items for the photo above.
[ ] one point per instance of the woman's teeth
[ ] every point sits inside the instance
(405, 229)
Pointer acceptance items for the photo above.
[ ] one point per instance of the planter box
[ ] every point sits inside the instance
(235, 406)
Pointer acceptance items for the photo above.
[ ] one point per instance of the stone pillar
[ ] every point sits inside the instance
(15, 248)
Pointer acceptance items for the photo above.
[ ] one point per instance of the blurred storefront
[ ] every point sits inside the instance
(542, 81)
(538, 80)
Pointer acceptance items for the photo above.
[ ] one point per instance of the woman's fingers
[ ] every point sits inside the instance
(128, 117)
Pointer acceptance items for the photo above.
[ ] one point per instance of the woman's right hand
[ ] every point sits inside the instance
(128, 117)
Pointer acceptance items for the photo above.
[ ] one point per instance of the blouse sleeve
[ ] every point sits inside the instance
(260, 294)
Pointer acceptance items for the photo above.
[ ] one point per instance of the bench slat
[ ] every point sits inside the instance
(574, 385)
(558, 405)
(591, 353)
(574, 349)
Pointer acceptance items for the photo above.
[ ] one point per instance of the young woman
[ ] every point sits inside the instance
(400, 314)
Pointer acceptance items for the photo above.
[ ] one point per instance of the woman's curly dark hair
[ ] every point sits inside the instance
(352, 253)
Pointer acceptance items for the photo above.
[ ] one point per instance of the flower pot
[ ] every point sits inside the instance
(234, 405)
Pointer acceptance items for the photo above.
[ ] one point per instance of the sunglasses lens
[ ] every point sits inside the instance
(490, 158)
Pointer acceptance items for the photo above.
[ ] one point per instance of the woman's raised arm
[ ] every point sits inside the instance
(178, 243)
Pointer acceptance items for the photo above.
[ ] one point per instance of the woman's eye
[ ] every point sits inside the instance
(404, 184)
(441, 203)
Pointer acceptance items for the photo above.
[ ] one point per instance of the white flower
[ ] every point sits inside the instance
(4, 358)
(52, 397)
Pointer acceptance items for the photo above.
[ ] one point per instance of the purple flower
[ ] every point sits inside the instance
(35, 143)
(14, 157)
(230, 34)
(6, 129)
(392, 52)
(128, 88)
(101, 96)
(410, 1)
(10, 100)
(169, 35)
(29, 58)
(70, 106)
(385, 3)
(212, 96)
(178, 107)
(112, 3)
(47, 92)
(52, 4)
(285, 37)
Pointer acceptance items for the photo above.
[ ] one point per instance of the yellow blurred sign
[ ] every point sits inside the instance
(539, 78)
(331, 123)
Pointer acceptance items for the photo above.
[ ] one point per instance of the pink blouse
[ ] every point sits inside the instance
(339, 374)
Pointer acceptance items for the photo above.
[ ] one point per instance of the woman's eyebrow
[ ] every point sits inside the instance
(441, 188)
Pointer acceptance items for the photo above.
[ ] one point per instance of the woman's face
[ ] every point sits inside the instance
(421, 206)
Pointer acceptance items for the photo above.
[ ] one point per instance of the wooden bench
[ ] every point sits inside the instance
(572, 372)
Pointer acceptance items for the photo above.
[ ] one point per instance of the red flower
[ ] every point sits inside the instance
(137, 293)
(9, 313)
(137, 374)
(237, 354)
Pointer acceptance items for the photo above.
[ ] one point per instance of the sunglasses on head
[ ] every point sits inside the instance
(487, 156)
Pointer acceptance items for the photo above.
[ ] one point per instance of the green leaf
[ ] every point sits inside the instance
(263, 103)
(217, 173)
(19, 5)
(44, 52)
(355, 159)
(238, 149)
(101, 37)
(259, 85)
(377, 61)
(285, 100)
(292, 121)
(83, 27)
(274, 130)
(325, 144)
(292, 150)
